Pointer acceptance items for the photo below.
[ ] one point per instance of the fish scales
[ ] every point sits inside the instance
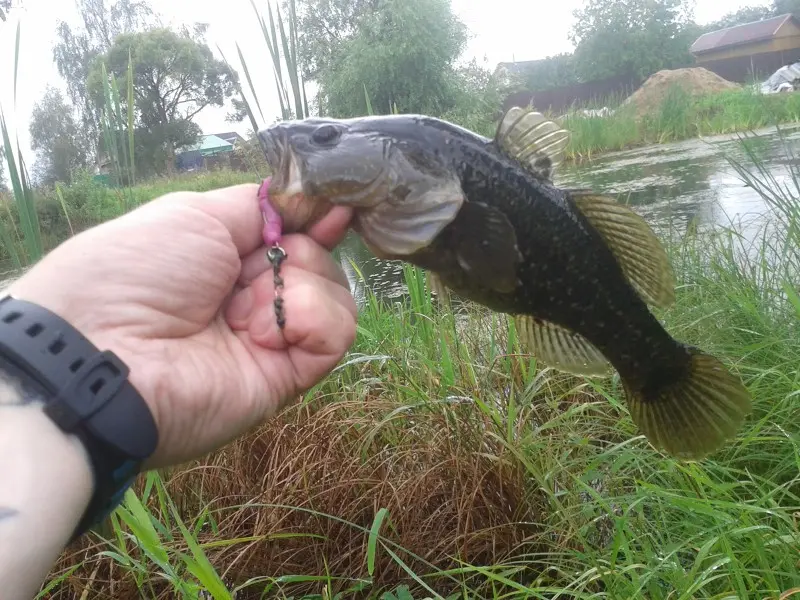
(577, 270)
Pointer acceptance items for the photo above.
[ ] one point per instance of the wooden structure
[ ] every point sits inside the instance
(749, 52)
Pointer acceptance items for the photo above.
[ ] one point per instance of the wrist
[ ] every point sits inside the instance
(46, 483)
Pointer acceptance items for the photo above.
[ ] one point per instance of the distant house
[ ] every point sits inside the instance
(752, 51)
(195, 156)
(231, 137)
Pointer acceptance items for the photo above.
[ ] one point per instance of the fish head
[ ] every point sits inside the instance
(326, 162)
(388, 169)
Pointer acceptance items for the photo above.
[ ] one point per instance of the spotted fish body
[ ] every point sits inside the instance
(577, 270)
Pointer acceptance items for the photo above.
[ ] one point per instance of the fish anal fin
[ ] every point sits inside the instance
(560, 348)
(399, 227)
(638, 251)
(692, 417)
(532, 139)
(487, 246)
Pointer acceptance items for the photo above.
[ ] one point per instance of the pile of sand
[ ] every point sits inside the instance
(696, 81)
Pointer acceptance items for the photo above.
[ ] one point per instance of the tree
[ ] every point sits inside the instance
(782, 7)
(77, 49)
(748, 14)
(323, 27)
(632, 38)
(6, 6)
(175, 76)
(56, 137)
(402, 52)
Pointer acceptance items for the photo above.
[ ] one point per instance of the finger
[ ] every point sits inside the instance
(256, 302)
(315, 339)
(235, 207)
(331, 229)
(301, 252)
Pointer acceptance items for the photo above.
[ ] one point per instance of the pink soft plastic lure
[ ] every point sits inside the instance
(273, 223)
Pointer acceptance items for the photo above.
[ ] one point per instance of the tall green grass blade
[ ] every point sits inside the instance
(16, 60)
(290, 58)
(372, 541)
(252, 90)
(131, 114)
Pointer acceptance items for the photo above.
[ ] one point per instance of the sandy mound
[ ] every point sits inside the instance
(697, 81)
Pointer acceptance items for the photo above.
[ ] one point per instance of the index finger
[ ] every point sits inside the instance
(237, 208)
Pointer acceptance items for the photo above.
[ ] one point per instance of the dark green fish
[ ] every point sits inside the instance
(576, 269)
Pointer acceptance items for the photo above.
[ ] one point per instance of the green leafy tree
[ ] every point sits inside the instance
(324, 26)
(175, 77)
(77, 48)
(402, 52)
(632, 37)
(56, 137)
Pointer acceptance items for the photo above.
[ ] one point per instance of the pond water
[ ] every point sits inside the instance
(670, 185)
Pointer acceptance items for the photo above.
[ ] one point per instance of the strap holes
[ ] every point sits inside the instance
(35, 329)
(11, 317)
(57, 346)
(97, 385)
(76, 365)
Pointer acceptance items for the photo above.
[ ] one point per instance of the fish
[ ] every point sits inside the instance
(576, 270)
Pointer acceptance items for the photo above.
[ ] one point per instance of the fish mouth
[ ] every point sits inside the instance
(289, 196)
(283, 162)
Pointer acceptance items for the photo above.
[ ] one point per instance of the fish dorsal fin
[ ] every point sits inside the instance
(533, 140)
(638, 251)
(560, 348)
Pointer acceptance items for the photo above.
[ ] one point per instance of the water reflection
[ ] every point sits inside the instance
(671, 185)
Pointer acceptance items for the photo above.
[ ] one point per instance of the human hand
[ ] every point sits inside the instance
(181, 291)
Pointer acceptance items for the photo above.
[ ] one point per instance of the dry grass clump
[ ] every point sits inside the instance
(303, 492)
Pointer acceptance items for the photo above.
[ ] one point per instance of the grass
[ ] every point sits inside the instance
(438, 460)
(680, 116)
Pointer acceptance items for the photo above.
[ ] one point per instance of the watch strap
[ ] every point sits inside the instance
(86, 393)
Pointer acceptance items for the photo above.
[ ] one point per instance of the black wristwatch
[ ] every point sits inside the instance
(86, 393)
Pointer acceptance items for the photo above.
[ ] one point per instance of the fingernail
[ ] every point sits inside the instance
(241, 305)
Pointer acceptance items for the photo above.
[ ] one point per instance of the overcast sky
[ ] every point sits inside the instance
(497, 36)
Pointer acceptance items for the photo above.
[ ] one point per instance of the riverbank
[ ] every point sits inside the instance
(498, 478)
(679, 117)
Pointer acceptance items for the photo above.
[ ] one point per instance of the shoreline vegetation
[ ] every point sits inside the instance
(439, 461)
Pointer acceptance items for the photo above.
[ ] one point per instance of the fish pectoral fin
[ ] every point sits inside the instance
(532, 139)
(437, 286)
(638, 251)
(560, 348)
(487, 246)
(691, 416)
(401, 227)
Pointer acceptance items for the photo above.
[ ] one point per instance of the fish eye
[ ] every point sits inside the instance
(325, 134)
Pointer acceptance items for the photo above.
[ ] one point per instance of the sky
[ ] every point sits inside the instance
(495, 37)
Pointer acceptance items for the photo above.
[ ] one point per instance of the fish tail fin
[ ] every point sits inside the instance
(691, 415)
